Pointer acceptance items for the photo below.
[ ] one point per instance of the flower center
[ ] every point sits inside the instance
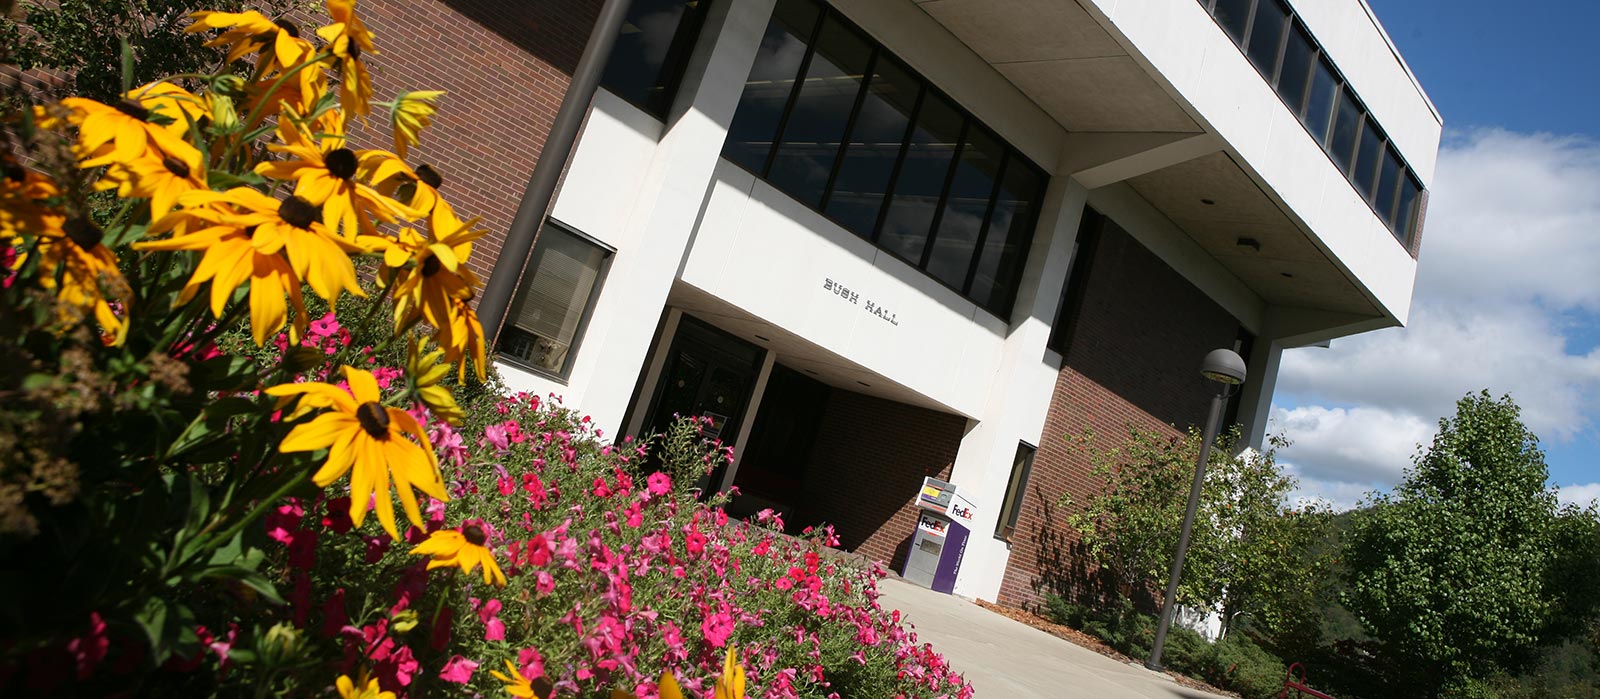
(355, 50)
(374, 419)
(429, 176)
(474, 534)
(288, 27)
(81, 230)
(175, 166)
(431, 266)
(298, 212)
(133, 109)
(342, 163)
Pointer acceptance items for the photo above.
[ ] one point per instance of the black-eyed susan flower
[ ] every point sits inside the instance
(348, 39)
(248, 32)
(274, 245)
(158, 177)
(731, 684)
(409, 114)
(375, 444)
(83, 273)
(426, 372)
(521, 686)
(430, 281)
(119, 133)
(360, 688)
(328, 179)
(462, 549)
(668, 686)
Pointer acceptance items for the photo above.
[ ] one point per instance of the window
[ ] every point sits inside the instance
(554, 300)
(1278, 44)
(1266, 36)
(652, 49)
(837, 122)
(1084, 249)
(1016, 489)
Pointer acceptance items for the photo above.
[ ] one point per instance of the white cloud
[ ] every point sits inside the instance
(1510, 255)
(1580, 494)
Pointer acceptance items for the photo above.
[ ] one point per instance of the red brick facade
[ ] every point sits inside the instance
(1133, 357)
(868, 465)
(506, 65)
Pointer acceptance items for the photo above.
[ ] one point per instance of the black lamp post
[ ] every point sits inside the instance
(1226, 368)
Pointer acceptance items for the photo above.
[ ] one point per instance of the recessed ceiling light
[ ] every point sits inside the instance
(1209, 202)
(812, 372)
(1248, 246)
(763, 338)
(1287, 275)
(863, 383)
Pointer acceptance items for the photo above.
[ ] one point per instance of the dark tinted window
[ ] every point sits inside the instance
(1406, 209)
(1234, 16)
(966, 207)
(874, 147)
(922, 178)
(1388, 182)
(1346, 127)
(1365, 175)
(1295, 74)
(651, 50)
(772, 80)
(1319, 101)
(1006, 240)
(1266, 36)
(818, 116)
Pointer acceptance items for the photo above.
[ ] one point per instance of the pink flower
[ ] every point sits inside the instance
(334, 617)
(494, 629)
(458, 670)
(497, 437)
(532, 664)
(717, 628)
(90, 648)
(544, 583)
(440, 639)
(283, 520)
(338, 516)
(659, 483)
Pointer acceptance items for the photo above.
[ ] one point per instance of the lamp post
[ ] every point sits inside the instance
(1226, 368)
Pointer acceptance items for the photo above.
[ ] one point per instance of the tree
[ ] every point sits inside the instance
(79, 39)
(1470, 566)
(1250, 556)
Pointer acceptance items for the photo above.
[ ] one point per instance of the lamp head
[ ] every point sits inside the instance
(1223, 366)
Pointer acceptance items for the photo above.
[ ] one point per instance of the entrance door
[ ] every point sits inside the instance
(708, 373)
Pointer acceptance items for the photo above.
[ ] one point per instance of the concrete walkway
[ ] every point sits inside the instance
(1004, 658)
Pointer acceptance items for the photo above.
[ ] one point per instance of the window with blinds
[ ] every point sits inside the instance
(548, 313)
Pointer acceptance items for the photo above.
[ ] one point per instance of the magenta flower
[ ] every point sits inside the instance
(659, 483)
(89, 649)
(717, 628)
(497, 437)
(458, 670)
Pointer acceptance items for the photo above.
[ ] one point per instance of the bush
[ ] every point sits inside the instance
(1236, 663)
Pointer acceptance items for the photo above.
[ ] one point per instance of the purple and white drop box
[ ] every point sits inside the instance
(944, 522)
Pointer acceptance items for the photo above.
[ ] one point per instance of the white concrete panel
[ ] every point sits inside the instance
(772, 257)
(612, 155)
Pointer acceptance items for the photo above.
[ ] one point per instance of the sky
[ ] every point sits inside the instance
(1508, 287)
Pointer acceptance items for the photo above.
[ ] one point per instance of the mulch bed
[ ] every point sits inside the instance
(1086, 641)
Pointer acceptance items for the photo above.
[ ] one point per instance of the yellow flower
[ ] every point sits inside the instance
(668, 686)
(731, 684)
(348, 38)
(429, 278)
(361, 688)
(248, 32)
(519, 686)
(426, 372)
(22, 195)
(329, 180)
(123, 132)
(463, 339)
(160, 179)
(409, 115)
(88, 275)
(247, 235)
(463, 549)
(367, 440)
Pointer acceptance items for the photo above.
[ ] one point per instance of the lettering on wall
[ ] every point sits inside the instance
(854, 298)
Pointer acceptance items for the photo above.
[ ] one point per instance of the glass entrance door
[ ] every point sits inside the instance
(709, 374)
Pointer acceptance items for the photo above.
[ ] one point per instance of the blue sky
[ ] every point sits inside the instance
(1508, 288)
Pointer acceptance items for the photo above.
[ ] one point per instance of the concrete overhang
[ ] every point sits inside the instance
(1153, 95)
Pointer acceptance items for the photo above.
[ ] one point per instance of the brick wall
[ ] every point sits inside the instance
(867, 467)
(505, 64)
(1133, 357)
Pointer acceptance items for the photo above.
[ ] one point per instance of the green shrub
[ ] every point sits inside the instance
(1237, 664)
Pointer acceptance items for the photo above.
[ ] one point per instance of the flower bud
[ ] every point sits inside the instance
(280, 644)
(223, 117)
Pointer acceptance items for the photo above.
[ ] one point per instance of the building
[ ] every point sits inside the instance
(875, 240)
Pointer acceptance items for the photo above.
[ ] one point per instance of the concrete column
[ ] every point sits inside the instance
(666, 205)
(1255, 399)
(1019, 397)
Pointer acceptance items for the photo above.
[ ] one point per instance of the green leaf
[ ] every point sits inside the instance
(218, 179)
(127, 65)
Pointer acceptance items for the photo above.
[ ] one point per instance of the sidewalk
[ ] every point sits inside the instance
(1004, 658)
